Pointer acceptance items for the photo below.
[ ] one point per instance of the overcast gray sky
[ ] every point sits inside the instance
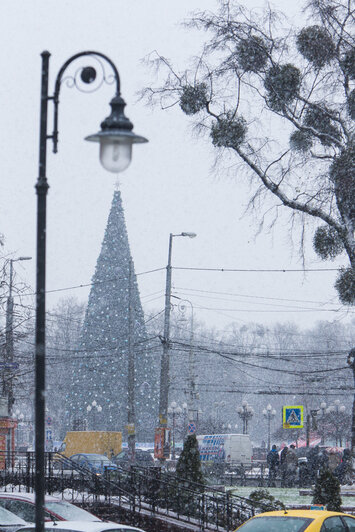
(169, 187)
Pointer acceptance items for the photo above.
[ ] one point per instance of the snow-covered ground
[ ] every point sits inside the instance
(289, 496)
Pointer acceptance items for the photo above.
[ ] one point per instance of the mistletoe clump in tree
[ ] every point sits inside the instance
(255, 72)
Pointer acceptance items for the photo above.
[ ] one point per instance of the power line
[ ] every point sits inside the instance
(252, 296)
(88, 284)
(257, 270)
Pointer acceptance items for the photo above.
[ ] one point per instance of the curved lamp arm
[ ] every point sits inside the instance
(58, 83)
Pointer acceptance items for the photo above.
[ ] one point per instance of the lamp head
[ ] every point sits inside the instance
(116, 138)
(190, 235)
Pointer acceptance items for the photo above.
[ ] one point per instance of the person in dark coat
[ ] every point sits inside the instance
(291, 466)
(283, 466)
(273, 464)
(344, 470)
(313, 459)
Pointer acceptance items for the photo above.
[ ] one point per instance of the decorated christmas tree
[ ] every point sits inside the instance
(113, 321)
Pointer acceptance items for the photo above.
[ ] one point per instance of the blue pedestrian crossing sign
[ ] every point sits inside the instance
(191, 428)
(292, 417)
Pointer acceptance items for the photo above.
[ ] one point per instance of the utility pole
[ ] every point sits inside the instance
(9, 352)
(131, 371)
(164, 368)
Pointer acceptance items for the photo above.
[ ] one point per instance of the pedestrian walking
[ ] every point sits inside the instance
(291, 466)
(273, 464)
(313, 458)
(283, 466)
(344, 470)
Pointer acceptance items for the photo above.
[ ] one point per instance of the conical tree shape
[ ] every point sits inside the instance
(327, 491)
(100, 366)
(189, 463)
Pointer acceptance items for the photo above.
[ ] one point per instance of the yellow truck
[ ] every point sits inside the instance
(98, 442)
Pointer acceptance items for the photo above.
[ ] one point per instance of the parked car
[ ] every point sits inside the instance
(79, 526)
(23, 506)
(299, 521)
(10, 522)
(142, 458)
(96, 463)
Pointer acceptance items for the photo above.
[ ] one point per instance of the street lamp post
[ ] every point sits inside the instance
(245, 412)
(9, 352)
(20, 418)
(323, 411)
(336, 411)
(192, 394)
(218, 405)
(116, 138)
(164, 368)
(94, 407)
(174, 410)
(269, 413)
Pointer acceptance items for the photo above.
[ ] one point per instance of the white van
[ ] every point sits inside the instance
(233, 449)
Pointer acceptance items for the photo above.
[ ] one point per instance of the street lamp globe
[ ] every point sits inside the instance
(99, 408)
(88, 408)
(116, 138)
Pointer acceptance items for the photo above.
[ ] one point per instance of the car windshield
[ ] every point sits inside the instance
(8, 518)
(98, 458)
(69, 512)
(280, 523)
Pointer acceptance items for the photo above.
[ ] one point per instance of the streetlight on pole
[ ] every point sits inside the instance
(192, 394)
(164, 368)
(174, 410)
(245, 412)
(218, 405)
(323, 411)
(269, 413)
(94, 407)
(116, 138)
(336, 411)
(9, 352)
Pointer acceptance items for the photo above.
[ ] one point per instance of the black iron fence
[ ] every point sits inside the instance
(135, 488)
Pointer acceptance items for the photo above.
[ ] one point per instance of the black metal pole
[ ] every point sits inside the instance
(131, 418)
(41, 190)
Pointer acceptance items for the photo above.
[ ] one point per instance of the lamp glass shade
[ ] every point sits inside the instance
(115, 155)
